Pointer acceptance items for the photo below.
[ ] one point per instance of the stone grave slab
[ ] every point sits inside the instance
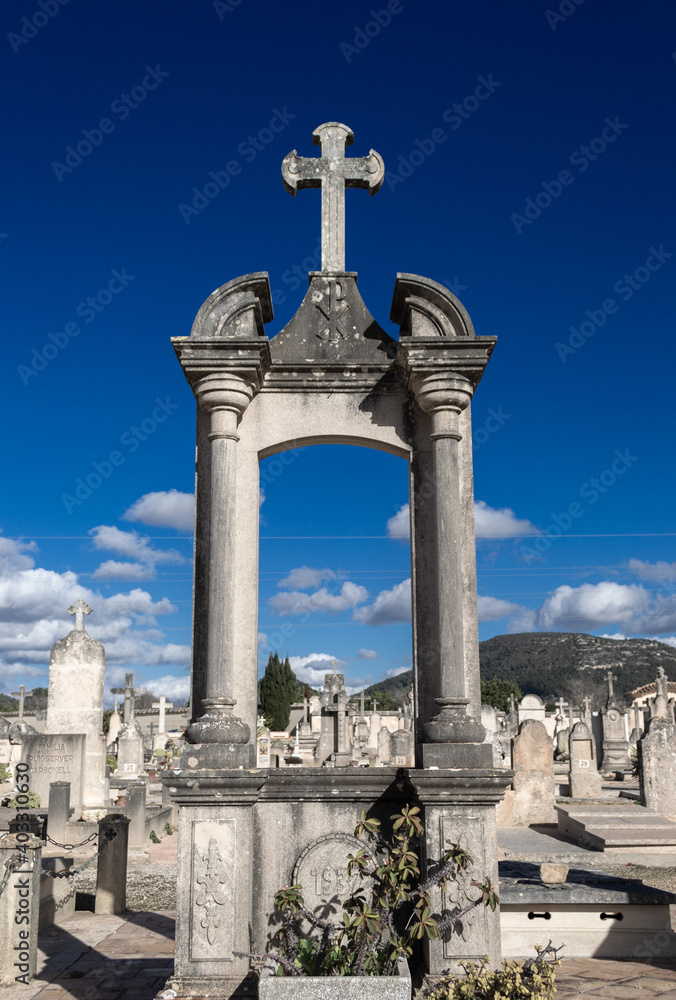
(599, 826)
(594, 914)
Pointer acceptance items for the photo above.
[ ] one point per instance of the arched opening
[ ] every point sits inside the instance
(334, 591)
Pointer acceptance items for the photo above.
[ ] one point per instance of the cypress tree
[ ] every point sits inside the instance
(277, 691)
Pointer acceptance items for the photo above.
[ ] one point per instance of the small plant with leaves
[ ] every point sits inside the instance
(533, 978)
(111, 761)
(5, 773)
(154, 838)
(379, 924)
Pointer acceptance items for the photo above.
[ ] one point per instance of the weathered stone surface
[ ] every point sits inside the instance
(111, 871)
(57, 757)
(584, 778)
(553, 874)
(397, 987)
(21, 897)
(657, 767)
(77, 664)
(533, 782)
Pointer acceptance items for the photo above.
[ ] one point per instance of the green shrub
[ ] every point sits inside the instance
(534, 978)
(5, 773)
(111, 761)
(33, 802)
(154, 838)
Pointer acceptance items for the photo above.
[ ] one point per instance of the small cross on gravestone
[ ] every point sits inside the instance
(21, 695)
(79, 609)
(162, 704)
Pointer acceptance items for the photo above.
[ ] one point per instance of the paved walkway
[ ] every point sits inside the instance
(106, 958)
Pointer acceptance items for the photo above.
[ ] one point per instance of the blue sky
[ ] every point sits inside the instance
(530, 158)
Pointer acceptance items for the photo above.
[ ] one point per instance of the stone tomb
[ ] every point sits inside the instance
(657, 767)
(55, 757)
(533, 795)
(332, 375)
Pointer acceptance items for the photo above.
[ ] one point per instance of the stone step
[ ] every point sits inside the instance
(613, 825)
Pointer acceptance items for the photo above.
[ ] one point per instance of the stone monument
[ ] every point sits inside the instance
(332, 375)
(75, 705)
(584, 778)
(533, 784)
(130, 738)
(615, 735)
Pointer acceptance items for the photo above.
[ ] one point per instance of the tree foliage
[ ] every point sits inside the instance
(279, 688)
(496, 692)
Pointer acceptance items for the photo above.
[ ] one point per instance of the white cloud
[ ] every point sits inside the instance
(389, 606)
(367, 654)
(313, 668)
(490, 522)
(303, 577)
(164, 509)
(34, 606)
(590, 606)
(262, 640)
(399, 525)
(175, 689)
(494, 608)
(112, 570)
(297, 603)
(669, 640)
(396, 671)
(657, 572)
(617, 636)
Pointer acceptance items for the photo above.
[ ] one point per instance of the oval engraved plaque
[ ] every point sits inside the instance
(321, 869)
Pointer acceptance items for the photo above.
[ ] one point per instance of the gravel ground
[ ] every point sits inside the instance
(149, 887)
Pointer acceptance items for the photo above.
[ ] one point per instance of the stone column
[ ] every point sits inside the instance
(135, 811)
(444, 395)
(224, 397)
(111, 872)
(59, 810)
(19, 907)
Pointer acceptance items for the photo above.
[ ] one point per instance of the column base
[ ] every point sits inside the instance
(217, 757)
(208, 988)
(457, 755)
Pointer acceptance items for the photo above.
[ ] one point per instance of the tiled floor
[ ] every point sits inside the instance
(134, 960)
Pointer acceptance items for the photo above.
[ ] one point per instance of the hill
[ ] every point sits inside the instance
(560, 663)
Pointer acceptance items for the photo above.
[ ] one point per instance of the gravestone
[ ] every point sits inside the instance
(55, 757)
(489, 718)
(402, 749)
(331, 375)
(533, 783)
(615, 737)
(657, 767)
(75, 705)
(130, 737)
(114, 726)
(531, 707)
(584, 778)
(384, 746)
(163, 705)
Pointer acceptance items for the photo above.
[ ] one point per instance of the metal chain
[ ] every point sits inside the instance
(11, 865)
(71, 847)
(70, 872)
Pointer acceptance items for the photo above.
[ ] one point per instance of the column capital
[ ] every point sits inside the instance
(224, 391)
(441, 390)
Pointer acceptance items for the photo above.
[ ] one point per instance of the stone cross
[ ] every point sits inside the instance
(152, 727)
(610, 678)
(129, 693)
(375, 705)
(361, 703)
(333, 172)
(79, 609)
(561, 705)
(586, 701)
(21, 694)
(162, 704)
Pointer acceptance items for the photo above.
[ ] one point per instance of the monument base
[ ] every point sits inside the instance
(217, 756)
(245, 833)
(452, 755)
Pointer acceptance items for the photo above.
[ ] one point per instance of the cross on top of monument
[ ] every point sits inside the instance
(333, 172)
(79, 609)
(21, 694)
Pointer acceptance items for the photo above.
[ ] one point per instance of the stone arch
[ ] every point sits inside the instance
(333, 375)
